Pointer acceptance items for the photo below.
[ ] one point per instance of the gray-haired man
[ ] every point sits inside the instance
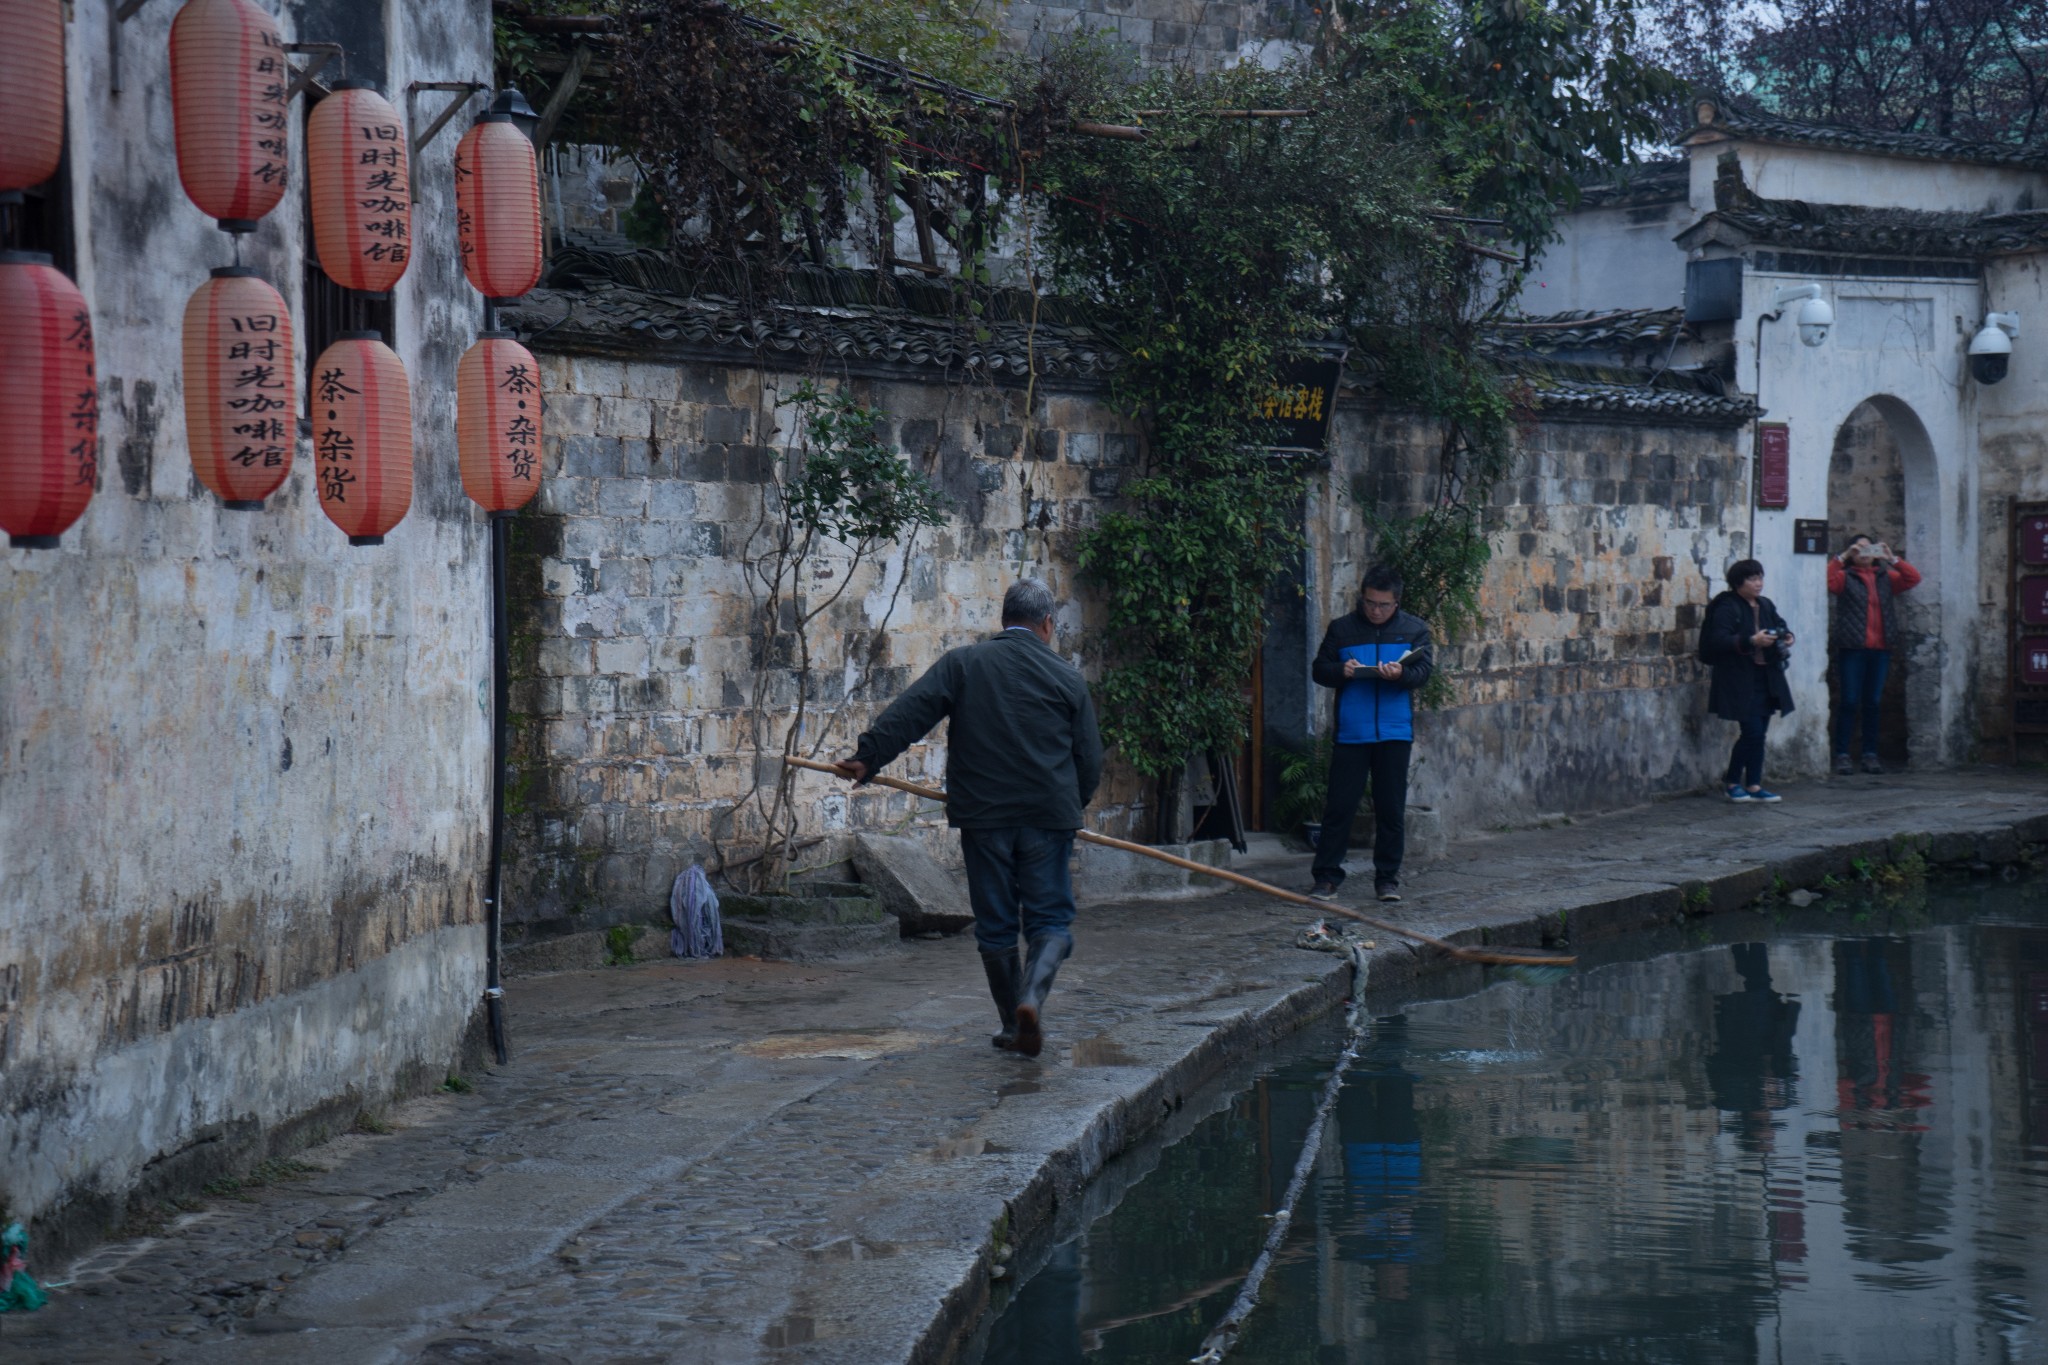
(1023, 760)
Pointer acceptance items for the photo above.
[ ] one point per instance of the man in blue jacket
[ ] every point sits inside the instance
(1375, 657)
(1023, 760)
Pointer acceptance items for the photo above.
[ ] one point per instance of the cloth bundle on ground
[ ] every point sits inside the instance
(693, 906)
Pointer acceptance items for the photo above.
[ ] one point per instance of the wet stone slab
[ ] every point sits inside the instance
(748, 1161)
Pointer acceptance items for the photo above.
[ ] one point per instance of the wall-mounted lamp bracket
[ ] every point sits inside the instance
(124, 10)
(317, 56)
(462, 90)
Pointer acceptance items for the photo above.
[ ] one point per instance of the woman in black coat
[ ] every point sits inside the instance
(1745, 641)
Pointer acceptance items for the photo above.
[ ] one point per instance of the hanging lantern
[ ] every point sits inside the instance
(49, 402)
(497, 422)
(31, 91)
(497, 208)
(238, 387)
(362, 436)
(361, 188)
(228, 82)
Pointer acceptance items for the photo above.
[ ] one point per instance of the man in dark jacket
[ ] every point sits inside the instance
(1375, 657)
(1744, 640)
(1023, 760)
(1863, 579)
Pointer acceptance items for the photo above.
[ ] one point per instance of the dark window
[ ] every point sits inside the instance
(42, 220)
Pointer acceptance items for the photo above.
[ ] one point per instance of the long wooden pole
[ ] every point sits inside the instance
(1250, 883)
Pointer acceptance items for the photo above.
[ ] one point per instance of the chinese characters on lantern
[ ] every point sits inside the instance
(334, 450)
(269, 111)
(85, 403)
(384, 193)
(522, 433)
(262, 386)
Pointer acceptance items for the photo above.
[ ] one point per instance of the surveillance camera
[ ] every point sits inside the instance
(1815, 319)
(1991, 348)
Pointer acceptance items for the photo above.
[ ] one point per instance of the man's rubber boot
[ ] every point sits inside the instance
(1041, 965)
(1005, 982)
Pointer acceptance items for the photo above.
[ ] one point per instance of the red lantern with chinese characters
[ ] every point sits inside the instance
(361, 189)
(361, 403)
(228, 82)
(497, 422)
(238, 387)
(497, 208)
(31, 91)
(49, 402)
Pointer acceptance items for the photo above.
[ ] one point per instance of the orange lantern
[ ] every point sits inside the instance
(238, 387)
(228, 82)
(497, 422)
(362, 436)
(361, 188)
(49, 402)
(31, 91)
(497, 208)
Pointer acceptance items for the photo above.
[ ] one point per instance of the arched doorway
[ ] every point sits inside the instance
(1881, 483)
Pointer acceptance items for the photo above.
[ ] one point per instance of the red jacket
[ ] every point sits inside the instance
(1903, 577)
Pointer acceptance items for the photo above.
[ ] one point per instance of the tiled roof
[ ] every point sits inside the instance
(619, 319)
(586, 310)
(1841, 229)
(1653, 182)
(1720, 119)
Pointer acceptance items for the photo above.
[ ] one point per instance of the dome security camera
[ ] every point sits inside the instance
(1815, 318)
(1991, 349)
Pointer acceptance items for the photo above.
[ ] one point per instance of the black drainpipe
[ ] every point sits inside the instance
(501, 682)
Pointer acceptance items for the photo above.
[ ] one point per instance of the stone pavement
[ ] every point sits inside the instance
(763, 1162)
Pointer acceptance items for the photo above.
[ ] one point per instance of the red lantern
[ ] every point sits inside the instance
(49, 402)
(362, 436)
(228, 81)
(497, 422)
(361, 188)
(31, 91)
(497, 208)
(238, 387)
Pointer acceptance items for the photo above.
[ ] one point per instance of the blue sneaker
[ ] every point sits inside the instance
(1738, 793)
(1761, 795)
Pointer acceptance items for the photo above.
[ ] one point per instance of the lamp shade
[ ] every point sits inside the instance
(497, 208)
(49, 402)
(228, 82)
(361, 186)
(31, 91)
(362, 436)
(239, 421)
(497, 422)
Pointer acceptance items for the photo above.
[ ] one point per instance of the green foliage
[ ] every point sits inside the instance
(618, 944)
(1304, 785)
(851, 486)
(457, 1085)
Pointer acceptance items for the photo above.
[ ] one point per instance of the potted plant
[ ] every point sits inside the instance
(1304, 789)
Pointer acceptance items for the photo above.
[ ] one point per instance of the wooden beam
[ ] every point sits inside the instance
(551, 114)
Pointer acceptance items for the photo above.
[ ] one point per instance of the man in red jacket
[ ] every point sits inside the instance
(1863, 580)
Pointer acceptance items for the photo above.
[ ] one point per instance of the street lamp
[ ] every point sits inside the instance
(513, 105)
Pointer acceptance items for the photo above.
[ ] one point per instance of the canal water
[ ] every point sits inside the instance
(1818, 1137)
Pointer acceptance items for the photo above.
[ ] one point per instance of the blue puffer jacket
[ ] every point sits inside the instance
(1370, 709)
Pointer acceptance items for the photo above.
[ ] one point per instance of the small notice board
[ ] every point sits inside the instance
(1773, 465)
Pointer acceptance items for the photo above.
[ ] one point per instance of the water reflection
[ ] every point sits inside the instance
(1827, 1141)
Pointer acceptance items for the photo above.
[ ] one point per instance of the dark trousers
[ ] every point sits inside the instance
(1385, 766)
(1861, 672)
(1746, 760)
(1019, 879)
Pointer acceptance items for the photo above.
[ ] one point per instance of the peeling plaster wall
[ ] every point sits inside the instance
(2012, 440)
(243, 766)
(1828, 175)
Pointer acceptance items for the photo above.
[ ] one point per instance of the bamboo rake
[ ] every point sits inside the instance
(1089, 836)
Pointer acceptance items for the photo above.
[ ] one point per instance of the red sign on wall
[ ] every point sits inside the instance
(2034, 540)
(1773, 464)
(2034, 599)
(2034, 661)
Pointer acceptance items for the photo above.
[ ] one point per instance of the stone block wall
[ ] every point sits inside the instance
(638, 637)
(1580, 690)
